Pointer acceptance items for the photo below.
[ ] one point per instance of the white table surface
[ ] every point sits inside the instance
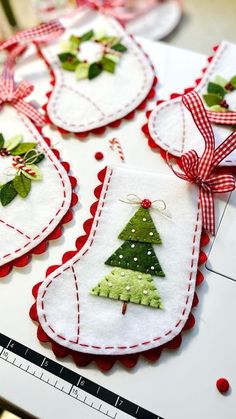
(181, 385)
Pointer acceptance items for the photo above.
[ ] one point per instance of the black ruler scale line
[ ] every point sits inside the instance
(76, 380)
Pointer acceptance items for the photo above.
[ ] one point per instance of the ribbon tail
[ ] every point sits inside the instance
(28, 110)
(208, 210)
(222, 118)
(225, 149)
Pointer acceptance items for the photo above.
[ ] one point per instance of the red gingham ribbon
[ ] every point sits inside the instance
(15, 94)
(222, 118)
(116, 8)
(199, 170)
(42, 33)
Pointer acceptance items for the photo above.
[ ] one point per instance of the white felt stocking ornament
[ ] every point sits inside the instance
(92, 64)
(35, 193)
(170, 125)
(129, 286)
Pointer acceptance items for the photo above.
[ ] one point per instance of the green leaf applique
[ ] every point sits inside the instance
(94, 71)
(212, 99)
(37, 176)
(22, 185)
(2, 141)
(82, 71)
(108, 65)
(13, 142)
(23, 148)
(216, 89)
(7, 193)
(119, 47)
(87, 36)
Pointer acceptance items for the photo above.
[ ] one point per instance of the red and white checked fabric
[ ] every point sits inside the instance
(199, 170)
(15, 94)
(222, 118)
(116, 8)
(45, 32)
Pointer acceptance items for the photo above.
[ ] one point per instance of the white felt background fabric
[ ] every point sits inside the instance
(171, 125)
(47, 202)
(91, 324)
(79, 106)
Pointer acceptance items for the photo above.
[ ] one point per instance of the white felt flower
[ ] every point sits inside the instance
(90, 52)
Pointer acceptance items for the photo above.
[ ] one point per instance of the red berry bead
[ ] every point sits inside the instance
(146, 203)
(99, 155)
(222, 385)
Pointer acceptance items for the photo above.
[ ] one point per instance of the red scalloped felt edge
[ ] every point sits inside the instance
(145, 128)
(115, 124)
(106, 362)
(25, 259)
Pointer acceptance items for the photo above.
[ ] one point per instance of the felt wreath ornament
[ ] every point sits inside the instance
(216, 92)
(23, 169)
(91, 54)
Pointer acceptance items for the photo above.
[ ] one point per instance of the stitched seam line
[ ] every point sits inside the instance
(16, 229)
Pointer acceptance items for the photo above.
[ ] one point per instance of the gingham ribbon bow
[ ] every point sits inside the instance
(222, 118)
(15, 94)
(116, 8)
(199, 170)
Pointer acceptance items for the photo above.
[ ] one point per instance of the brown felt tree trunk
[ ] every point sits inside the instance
(124, 308)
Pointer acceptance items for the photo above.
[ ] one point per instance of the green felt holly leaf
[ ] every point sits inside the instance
(38, 174)
(216, 89)
(110, 40)
(141, 228)
(2, 141)
(129, 286)
(94, 71)
(220, 81)
(233, 81)
(112, 57)
(23, 148)
(108, 65)
(35, 158)
(22, 185)
(87, 36)
(212, 99)
(13, 142)
(119, 47)
(82, 71)
(68, 47)
(68, 61)
(137, 257)
(74, 40)
(217, 108)
(98, 36)
(7, 193)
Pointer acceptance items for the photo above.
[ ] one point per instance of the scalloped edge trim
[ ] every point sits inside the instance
(106, 362)
(115, 124)
(25, 259)
(174, 95)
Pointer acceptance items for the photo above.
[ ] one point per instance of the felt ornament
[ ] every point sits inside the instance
(170, 126)
(35, 191)
(69, 308)
(104, 63)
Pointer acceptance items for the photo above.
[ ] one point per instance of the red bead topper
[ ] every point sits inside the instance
(222, 385)
(146, 203)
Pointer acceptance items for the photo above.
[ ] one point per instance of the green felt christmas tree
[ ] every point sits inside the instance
(134, 262)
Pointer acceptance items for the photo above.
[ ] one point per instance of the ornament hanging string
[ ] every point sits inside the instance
(133, 199)
(200, 170)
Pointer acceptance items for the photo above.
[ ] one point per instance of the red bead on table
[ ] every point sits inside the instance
(99, 155)
(146, 203)
(222, 385)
